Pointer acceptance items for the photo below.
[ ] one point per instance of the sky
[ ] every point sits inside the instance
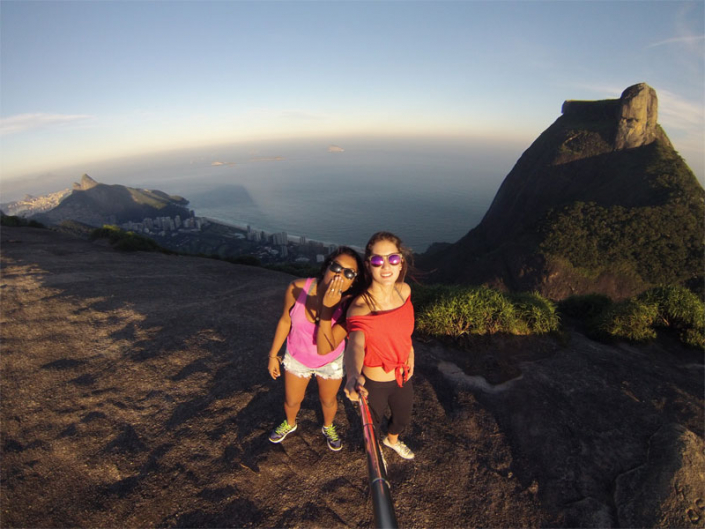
(94, 80)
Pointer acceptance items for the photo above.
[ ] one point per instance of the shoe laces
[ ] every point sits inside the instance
(331, 433)
(404, 449)
(283, 428)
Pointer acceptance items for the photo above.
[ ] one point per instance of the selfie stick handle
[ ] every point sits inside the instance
(379, 486)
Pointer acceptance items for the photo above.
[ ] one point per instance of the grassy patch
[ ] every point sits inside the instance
(126, 241)
(456, 311)
(638, 319)
(14, 221)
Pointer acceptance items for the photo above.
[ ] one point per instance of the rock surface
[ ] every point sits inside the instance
(638, 117)
(135, 394)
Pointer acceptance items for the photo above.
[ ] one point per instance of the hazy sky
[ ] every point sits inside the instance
(83, 81)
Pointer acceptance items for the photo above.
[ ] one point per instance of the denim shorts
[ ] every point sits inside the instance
(332, 369)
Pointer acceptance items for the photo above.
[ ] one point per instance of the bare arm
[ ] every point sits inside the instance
(354, 359)
(281, 332)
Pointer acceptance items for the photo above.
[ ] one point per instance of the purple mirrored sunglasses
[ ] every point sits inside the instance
(393, 259)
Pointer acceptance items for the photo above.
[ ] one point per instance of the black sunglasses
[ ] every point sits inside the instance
(336, 268)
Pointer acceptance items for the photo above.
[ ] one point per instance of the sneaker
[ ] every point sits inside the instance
(400, 448)
(334, 442)
(281, 431)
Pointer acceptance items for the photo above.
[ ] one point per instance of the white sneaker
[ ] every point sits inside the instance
(400, 448)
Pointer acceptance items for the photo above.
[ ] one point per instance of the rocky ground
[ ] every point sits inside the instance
(135, 394)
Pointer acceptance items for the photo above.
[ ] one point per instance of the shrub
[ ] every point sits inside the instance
(295, 269)
(14, 221)
(11, 221)
(586, 307)
(631, 319)
(537, 312)
(460, 311)
(681, 310)
(677, 306)
(249, 260)
(126, 241)
(693, 338)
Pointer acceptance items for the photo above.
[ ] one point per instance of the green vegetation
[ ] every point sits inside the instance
(630, 319)
(457, 311)
(639, 318)
(461, 311)
(655, 235)
(126, 241)
(14, 221)
(658, 243)
(295, 269)
(586, 307)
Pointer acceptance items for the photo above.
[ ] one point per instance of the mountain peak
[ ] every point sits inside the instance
(600, 202)
(86, 183)
(633, 118)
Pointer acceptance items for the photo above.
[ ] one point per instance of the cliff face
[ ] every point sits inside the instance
(603, 178)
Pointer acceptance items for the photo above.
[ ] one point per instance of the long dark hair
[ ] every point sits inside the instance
(359, 283)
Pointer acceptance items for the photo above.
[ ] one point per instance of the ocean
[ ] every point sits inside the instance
(425, 191)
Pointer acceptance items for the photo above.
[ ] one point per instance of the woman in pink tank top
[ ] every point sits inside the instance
(313, 326)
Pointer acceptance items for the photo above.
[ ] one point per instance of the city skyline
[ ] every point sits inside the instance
(88, 81)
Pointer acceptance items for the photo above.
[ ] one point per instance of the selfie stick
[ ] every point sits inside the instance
(379, 486)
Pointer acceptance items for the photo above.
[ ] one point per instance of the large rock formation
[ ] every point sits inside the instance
(85, 184)
(635, 115)
(600, 202)
(96, 204)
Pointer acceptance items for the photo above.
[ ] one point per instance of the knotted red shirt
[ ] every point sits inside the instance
(387, 338)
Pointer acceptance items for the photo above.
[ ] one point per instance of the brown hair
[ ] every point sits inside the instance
(406, 263)
(403, 250)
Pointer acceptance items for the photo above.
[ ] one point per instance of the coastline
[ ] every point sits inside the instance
(294, 239)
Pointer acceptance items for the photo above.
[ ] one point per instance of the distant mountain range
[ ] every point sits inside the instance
(96, 204)
(31, 205)
(600, 202)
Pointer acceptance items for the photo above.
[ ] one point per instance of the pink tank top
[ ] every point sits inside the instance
(301, 342)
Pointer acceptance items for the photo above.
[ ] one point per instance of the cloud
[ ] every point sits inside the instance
(690, 39)
(676, 112)
(25, 122)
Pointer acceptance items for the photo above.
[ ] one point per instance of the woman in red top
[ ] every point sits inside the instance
(379, 358)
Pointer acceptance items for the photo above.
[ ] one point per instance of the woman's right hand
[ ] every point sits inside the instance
(274, 369)
(355, 387)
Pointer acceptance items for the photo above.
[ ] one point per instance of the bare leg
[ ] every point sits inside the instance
(328, 393)
(294, 392)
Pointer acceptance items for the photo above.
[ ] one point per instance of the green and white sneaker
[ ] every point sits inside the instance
(334, 442)
(400, 448)
(281, 431)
